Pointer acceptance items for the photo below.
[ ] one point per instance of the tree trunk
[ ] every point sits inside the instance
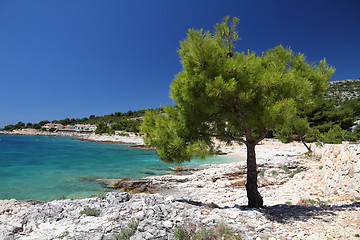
(254, 198)
(307, 147)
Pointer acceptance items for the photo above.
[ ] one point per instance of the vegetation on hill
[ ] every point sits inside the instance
(330, 121)
(129, 121)
(335, 118)
(339, 91)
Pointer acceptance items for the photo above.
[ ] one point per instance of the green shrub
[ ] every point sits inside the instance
(102, 128)
(123, 134)
(298, 170)
(262, 173)
(99, 195)
(126, 233)
(317, 202)
(274, 172)
(65, 234)
(335, 135)
(88, 211)
(285, 168)
(220, 231)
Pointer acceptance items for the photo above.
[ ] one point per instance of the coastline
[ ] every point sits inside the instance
(265, 149)
(91, 137)
(201, 197)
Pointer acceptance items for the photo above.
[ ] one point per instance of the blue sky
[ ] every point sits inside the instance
(72, 59)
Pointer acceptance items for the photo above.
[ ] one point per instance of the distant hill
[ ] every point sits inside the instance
(129, 121)
(339, 91)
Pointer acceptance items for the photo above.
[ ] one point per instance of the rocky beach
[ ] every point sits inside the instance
(300, 201)
(85, 136)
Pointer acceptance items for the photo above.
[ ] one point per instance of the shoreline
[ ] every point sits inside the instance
(91, 137)
(288, 179)
(265, 149)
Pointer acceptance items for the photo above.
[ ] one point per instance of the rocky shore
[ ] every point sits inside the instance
(132, 140)
(200, 197)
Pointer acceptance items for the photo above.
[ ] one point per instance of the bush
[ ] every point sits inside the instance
(102, 128)
(126, 233)
(65, 234)
(298, 170)
(220, 231)
(285, 168)
(88, 211)
(335, 135)
(100, 195)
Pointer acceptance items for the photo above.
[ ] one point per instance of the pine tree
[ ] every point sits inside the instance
(231, 96)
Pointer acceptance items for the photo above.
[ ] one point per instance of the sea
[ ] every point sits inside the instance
(47, 168)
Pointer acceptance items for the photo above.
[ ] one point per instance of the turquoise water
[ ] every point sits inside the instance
(46, 168)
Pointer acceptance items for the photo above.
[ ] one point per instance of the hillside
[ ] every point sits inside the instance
(128, 121)
(348, 89)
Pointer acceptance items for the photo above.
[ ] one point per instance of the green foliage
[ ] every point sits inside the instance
(225, 94)
(65, 234)
(170, 135)
(326, 114)
(40, 124)
(88, 211)
(102, 128)
(335, 135)
(123, 134)
(298, 170)
(99, 195)
(126, 233)
(129, 121)
(19, 125)
(9, 128)
(285, 168)
(127, 125)
(357, 132)
(294, 129)
(220, 231)
(317, 202)
(232, 97)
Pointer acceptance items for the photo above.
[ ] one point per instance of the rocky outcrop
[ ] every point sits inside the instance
(158, 217)
(341, 168)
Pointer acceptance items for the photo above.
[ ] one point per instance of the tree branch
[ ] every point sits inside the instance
(262, 136)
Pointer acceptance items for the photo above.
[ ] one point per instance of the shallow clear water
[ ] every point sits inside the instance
(45, 168)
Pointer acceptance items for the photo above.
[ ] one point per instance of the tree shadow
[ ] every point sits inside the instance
(283, 213)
